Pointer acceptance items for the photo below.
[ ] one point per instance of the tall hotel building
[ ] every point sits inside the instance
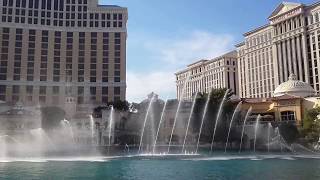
(288, 44)
(204, 75)
(54, 51)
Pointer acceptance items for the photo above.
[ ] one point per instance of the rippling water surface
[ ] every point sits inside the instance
(232, 167)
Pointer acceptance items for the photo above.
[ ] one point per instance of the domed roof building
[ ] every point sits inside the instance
(294, 87)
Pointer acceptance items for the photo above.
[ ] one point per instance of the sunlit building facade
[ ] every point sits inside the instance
(57, 51)
(288, 44)
(205, 75)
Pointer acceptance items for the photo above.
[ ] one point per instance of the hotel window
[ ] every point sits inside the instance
(18, 54)
(93, 92)
(4, 54)
(43, 90)
(55, 90)
(93, 57)
(69, 53)
(56, 61)
(105, 61)
(29, 89)
(117, 56)
(15, 89)
(44, 56)
(42, 99)
(31, 55)
(3, 89)
(81, 57)
(117, 90)
(288, 116)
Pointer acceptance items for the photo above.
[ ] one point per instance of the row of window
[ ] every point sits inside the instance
(60, 23)
(57, 56)
(4, 54)
(55, 91)
(43, 4)
(258, 39)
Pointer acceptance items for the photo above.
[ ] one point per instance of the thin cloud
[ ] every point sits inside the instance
(141, 84)
(195, 46)
(171, 55)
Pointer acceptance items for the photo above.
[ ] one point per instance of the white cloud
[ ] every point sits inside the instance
(197, 45)
(170, 55)
(141, 84)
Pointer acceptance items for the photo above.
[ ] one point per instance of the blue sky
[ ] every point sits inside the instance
(166, 35)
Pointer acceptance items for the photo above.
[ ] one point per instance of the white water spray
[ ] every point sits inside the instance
(178, 110)
(188, 125)
(243, 126)
(218, 118)
(256, 132)
(110, 124)
(145, 121)
(230, 126)
(202, 119)
(159, 125)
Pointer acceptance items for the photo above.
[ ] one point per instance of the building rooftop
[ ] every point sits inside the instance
(294, 87)
(110, 6)
(204, 62)
(201, 62)
(256, 30)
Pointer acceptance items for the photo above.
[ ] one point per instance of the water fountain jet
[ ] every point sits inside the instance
(255, 132)
(202, 119)
(110, 125)
(159, 125)
(243, 126)
(218, 118)
(178, 110)
(92, 129)
(188, 124)
(232, 119)
(145, 121)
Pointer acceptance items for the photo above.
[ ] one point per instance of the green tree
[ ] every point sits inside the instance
(117, 105)
(211, 115)
(311, 125)
(289, 132)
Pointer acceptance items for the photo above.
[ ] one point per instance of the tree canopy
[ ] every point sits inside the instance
(216, 97)
(311, 124)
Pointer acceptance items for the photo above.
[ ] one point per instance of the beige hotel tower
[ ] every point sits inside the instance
(57, 51)
(205, 75)
(288, 44)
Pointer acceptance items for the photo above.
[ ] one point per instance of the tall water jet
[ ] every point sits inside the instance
(218, 118)
(202, 119)
(236, 110)
(110, 124)
(255, 132)
(178, 110)
(188, 124)
(243, 126)
(67, 126)
(145, 121)
(269, 127)
(92, 129)
(159, 126)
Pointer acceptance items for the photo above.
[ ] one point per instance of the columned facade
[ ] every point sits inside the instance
(292, 42)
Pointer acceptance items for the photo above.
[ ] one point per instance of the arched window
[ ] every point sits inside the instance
(288, 116)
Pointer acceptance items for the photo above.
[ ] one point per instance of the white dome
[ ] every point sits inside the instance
(294, 87)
